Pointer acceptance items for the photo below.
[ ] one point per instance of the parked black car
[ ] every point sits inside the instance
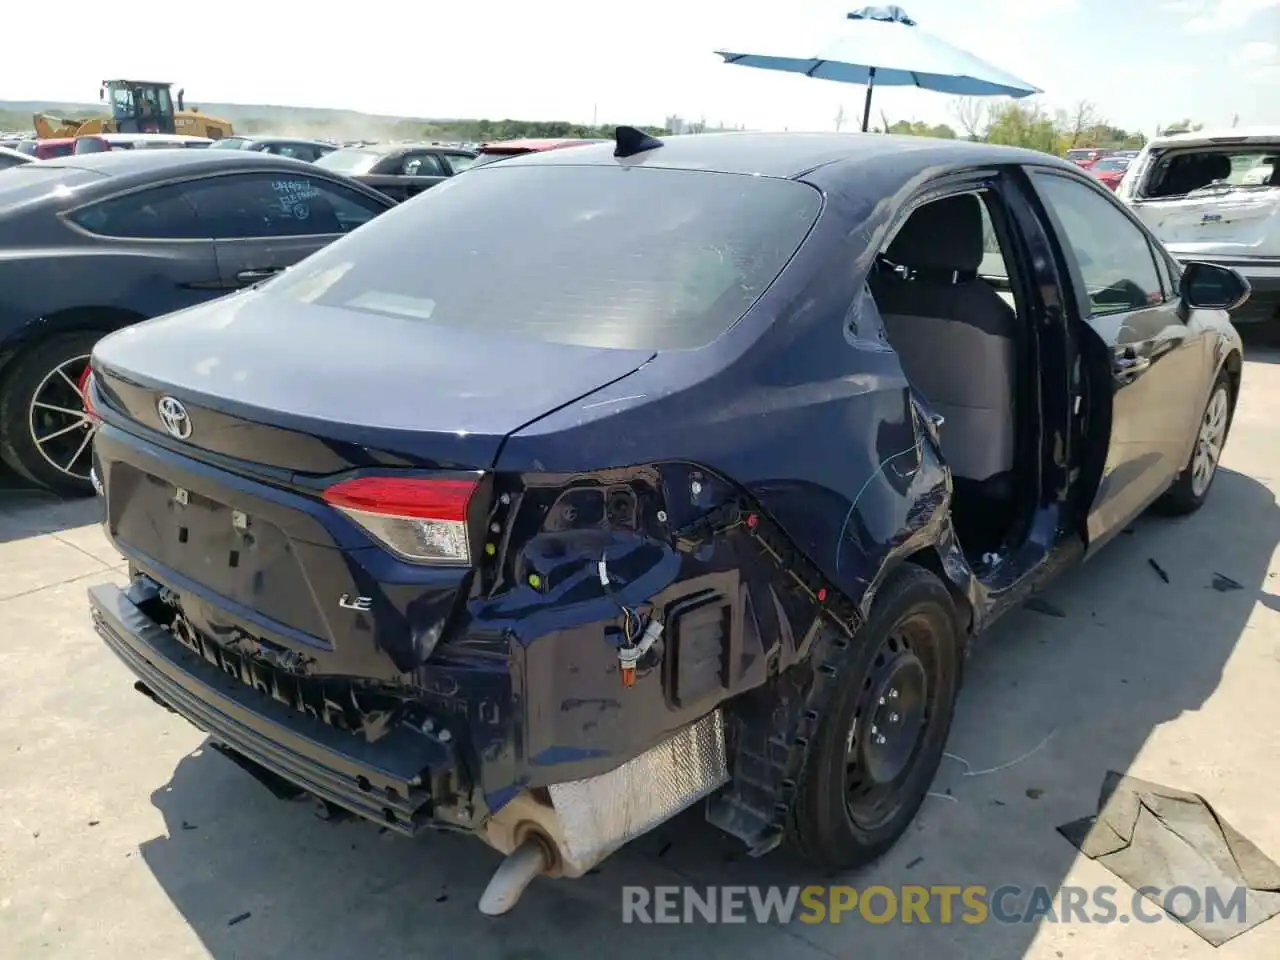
(93, 243)
(400, 170)
(669, 471)
(298, 149)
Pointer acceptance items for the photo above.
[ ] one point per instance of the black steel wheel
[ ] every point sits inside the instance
(881, 740)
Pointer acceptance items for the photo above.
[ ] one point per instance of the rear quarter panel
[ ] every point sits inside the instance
(41, 284)
(814, 420)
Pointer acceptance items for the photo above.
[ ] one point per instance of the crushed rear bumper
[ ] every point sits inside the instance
(387, 781)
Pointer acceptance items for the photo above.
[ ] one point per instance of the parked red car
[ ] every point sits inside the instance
(1110, 170)
(1086, 157)
(48, 149)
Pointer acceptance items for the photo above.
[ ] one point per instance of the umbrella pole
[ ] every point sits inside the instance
(866, 106)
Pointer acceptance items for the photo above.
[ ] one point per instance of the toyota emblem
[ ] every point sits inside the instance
(174, 417)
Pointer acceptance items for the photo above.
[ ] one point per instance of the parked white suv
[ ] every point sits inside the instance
(1215, 196)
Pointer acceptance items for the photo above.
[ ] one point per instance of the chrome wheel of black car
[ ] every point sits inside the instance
(881, 739)
(45, 435)
(61, 429)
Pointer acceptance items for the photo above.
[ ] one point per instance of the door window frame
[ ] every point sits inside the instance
(68, 216)
(1060, 240)
(1019, 229)
(419, 155)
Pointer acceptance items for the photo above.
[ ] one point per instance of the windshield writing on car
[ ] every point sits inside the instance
(615, 257)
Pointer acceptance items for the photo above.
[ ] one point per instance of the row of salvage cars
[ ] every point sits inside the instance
(593, 484)
(91, 243)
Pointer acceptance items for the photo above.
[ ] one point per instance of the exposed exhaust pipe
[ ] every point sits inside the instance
(529, 860)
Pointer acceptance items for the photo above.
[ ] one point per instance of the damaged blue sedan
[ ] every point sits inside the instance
(595, 484)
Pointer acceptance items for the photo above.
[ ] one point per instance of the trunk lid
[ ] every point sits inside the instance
(277, 395)
(1228, 221)
(311, 389)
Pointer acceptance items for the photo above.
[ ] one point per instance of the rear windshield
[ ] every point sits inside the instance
(607, 256)
(48, 150)
(92, 145)
(354, 162)
(1180, 172)
(1111, 163)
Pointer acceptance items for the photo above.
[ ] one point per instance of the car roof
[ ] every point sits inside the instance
(144, 137)
(534, 145)
(248, 138)
(124, 163)
(402, 146)
(1266, 134)
(789, 155)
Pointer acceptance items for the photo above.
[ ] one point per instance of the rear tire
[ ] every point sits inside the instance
(44, 434)
(861, 789)
(1191, 488)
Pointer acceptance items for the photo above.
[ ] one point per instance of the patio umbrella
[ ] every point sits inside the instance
(882, 45)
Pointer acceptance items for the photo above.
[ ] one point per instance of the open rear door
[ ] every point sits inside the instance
(1147, 368)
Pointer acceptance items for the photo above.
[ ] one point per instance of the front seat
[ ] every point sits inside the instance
(955, 338)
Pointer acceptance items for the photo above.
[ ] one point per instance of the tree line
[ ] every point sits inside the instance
(1022, 123)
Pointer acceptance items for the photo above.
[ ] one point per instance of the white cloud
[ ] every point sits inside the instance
(1212, 16)
(1257, 53)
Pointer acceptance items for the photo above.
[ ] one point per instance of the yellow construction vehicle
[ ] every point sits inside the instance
(137, 106)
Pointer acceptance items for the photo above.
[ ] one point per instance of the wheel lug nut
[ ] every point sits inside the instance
(880, 740)
(882, 701)
(874, 731)
(893, 694)
(893, 718)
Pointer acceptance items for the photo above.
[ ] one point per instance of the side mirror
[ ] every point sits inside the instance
(1209, 286)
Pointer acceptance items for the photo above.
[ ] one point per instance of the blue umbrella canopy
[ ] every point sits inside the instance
(883, 46)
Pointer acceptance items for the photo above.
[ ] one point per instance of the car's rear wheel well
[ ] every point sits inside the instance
(104, 319)
(1234, 366)
(930, 559)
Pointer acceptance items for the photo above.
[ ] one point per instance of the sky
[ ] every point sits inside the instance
(1144, 63)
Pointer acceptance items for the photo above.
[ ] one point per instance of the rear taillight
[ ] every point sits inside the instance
(86, 386)
(422, 520)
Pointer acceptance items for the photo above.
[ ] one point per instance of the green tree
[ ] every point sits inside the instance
(1019, 124)
(918, 128)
